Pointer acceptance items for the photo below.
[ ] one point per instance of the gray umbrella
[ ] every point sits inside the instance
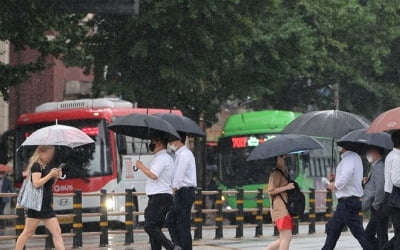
(361, 137)
(183, 124)
(143, 126)
(326, 123)
(283, 144)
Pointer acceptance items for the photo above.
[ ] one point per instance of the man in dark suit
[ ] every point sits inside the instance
(373, 199)
(5, 187)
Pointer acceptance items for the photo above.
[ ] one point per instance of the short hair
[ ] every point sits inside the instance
(183, 137)
(161, 139)
(396, 138)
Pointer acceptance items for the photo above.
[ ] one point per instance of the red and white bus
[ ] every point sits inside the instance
(106, 164)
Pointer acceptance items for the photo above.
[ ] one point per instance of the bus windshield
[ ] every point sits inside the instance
(81, 162)
(235, 171)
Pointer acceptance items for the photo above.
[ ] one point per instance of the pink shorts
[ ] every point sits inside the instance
(284, 223)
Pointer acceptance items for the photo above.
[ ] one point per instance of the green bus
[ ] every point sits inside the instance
(242, 133)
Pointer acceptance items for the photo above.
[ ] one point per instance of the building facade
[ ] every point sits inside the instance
(56, 83)
(4, 58)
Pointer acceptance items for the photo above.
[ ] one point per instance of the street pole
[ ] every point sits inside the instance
(336, 97)
(203, 151)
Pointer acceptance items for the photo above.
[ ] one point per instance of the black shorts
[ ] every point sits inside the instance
(44, 214)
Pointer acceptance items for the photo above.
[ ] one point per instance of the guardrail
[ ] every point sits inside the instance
(199, 211)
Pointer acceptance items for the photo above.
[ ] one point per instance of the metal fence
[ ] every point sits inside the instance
(199, 212)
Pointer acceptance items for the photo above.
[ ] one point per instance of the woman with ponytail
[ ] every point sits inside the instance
(42, 176)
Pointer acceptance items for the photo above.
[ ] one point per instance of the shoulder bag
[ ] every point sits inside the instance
(29, 196)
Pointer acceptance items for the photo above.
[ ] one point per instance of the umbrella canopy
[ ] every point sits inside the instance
(283, 144)
(389, 120)
(183, 124)
(360, 136)
(58, 135)
(5, 168)
(326, 123)
(143, 127)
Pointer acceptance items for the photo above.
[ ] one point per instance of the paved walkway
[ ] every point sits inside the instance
(299, 242)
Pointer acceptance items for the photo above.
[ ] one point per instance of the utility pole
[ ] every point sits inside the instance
(203, 151)
(336, 96)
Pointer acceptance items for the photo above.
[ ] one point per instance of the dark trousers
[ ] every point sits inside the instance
(346, 214)
(179, 218)
(154, 217)
(2, 206)
(394, 243)
(377, 229)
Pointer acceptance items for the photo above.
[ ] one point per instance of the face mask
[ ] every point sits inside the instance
(172, 147)
(152, 146)
(369, 158)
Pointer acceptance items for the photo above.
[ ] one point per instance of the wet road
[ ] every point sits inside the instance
(301, 241)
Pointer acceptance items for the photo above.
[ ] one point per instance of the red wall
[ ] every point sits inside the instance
(45, 86)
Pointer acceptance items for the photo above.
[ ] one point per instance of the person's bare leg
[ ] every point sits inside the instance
(54, 227)
(274, 245)
(30, 227)
(286, 237)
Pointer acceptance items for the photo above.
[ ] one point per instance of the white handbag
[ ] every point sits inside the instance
(29, 196)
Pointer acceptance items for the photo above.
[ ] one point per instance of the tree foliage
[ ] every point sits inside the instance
(194, 55)
(284, 54)
(37, 25)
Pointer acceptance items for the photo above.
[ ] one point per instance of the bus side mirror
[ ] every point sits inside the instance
(121, 144)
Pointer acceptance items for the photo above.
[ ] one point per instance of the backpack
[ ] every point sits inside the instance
(296, 202)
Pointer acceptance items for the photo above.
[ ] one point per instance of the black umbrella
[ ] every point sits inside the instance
(144, 127)
(326, 123)
(283, 144)
(183, 124)
(360, 137)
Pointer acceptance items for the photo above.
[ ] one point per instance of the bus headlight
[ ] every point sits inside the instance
(110, 204)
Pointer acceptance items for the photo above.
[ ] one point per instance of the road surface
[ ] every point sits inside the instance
(301, 241)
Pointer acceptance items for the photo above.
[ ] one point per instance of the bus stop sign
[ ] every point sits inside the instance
(123, 7)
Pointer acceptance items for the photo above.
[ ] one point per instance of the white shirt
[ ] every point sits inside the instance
(349, 175)
(392, 170)
(161, 166)
(185, 169)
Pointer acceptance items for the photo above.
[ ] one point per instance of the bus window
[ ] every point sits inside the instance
(121, 144)
(318, 169)
(233, 168)
(133, 146)
(314, 163)
(321, 158)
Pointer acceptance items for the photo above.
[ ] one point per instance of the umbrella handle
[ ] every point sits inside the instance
(63, 177)
(135, 168)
